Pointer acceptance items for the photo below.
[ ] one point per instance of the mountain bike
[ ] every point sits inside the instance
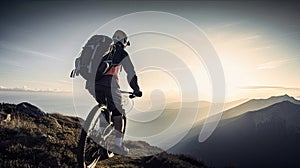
(95, 145)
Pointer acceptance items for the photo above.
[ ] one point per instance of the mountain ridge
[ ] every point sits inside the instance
(30, 137)
(256, 104)
(277, 111)
(261, 135)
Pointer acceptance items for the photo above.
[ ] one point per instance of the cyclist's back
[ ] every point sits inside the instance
(120, 58)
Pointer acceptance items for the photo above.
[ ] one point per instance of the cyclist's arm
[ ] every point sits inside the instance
(131, 75)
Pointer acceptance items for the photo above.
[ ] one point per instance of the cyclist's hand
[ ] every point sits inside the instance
(138, 93)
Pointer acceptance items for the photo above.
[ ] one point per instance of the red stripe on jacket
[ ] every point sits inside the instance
(114, 71)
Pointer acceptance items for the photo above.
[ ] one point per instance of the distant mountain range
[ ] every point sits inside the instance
(257, 133)
(164, 117)
(256, 104)
(30, 137)
(199, 110)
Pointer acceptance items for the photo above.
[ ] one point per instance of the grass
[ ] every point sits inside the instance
(51, 141)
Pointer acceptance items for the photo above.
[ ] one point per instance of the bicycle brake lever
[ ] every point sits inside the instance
(131, 96)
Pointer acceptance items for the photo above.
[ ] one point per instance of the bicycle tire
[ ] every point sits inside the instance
(87, 158)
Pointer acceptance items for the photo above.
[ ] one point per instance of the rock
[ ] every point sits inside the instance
(8, 118)
(30, 110)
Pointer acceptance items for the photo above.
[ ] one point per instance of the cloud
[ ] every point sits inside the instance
(26, 89)
(259, 48)
(15, 48)
(224, 26)
(269, 87)
(284, 35)
(12, 63)
(251, 37)
(273, 64)
(65, 82)
(37, 53)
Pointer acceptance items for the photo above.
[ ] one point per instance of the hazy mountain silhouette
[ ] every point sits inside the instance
(30, 137)
(268, 137)
(163, 118)
(256, 104)
(202, 104)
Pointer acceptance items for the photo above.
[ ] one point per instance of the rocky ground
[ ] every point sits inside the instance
(30, 137)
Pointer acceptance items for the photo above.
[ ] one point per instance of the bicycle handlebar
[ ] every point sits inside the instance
(131, 94)
(126, 92)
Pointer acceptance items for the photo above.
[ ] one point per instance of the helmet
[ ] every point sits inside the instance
(120, 36)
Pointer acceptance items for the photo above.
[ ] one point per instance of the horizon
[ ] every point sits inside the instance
(65, 105)
(69, 93)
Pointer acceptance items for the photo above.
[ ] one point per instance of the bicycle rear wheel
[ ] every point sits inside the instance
(89, 149)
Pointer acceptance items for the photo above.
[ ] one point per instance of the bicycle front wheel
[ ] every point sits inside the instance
(89, 149)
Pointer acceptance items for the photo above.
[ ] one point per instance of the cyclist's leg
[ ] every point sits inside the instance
(114, 103)
(117, 119)
(101, 99)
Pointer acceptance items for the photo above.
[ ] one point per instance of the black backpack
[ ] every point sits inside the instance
(87, 63)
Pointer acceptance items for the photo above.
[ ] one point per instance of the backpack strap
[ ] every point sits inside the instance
(110, 61)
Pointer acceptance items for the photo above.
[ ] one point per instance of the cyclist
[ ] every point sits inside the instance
(107, 87)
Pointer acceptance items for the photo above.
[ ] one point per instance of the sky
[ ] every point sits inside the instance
(257, 44)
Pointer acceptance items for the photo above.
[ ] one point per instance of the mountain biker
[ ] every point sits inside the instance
(107, 87)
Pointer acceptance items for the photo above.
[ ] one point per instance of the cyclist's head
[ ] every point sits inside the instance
(121, 37)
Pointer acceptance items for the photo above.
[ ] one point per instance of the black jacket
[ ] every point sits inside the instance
(120, 58)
